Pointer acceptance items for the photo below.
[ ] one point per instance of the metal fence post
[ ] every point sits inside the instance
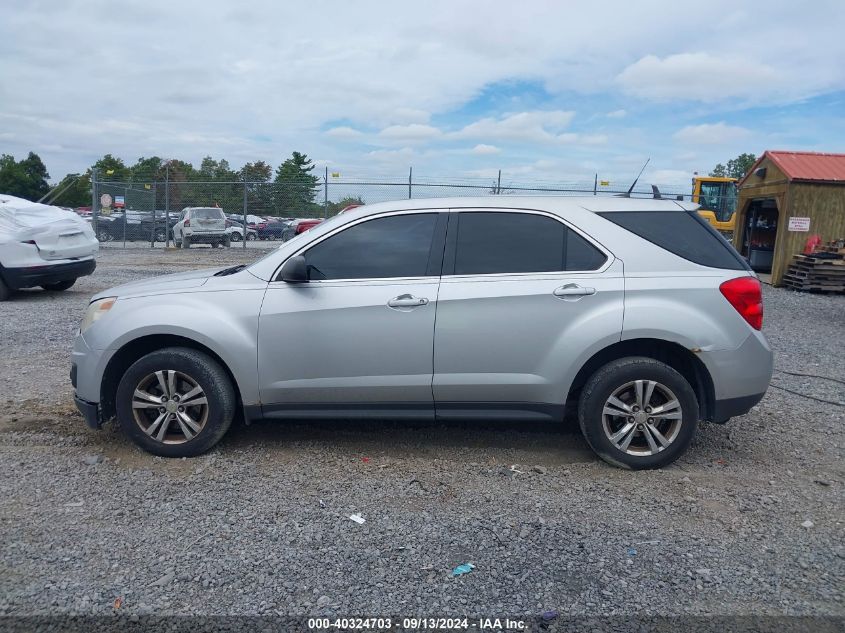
(94, 202)
(155, 217)
(410, 178)
(326, 193)
(499, 184)
(246, 228)
(167, 203)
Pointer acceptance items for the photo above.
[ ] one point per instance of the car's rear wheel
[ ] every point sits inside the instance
(227, 242)
(186, 241)
(59, 285)
(271, 237)
(5, 291)
(160, 236)
(250, 237)
(235, 237)
(176, 402)
(638, 413)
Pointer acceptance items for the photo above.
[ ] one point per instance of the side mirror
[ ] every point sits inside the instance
(294, 270)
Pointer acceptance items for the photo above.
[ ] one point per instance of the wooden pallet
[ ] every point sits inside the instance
(813, 274)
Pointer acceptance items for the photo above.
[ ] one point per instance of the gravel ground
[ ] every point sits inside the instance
(749, 522)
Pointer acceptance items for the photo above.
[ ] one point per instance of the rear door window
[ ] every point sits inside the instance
(503, 242)
(208, 214)
(683, 233)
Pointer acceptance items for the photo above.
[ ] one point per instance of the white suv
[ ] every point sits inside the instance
(201, 225)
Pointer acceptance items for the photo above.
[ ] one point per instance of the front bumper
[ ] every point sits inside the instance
(31, 276)
(89, 410)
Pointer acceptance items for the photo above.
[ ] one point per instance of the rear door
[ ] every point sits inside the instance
(357, 338)
(524, 300)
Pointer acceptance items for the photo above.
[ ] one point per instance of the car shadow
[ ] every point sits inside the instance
(506, 441)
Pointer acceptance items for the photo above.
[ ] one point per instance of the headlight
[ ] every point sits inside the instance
(96, 309)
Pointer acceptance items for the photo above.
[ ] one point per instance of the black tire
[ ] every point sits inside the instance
(59, 285)
(272, 237)
(250, 237)
(202, 369)
(227, 242)
(186, 241)
(5, 291)
(161, 236)
(614, 376)
(235, 237)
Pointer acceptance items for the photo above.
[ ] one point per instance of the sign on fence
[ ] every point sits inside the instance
(119, 202)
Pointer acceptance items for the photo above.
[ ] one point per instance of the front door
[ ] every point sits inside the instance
(358, 337)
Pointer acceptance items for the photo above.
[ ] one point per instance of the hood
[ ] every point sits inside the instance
(164, 284)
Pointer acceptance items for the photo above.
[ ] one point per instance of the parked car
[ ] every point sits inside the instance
(41, 245)
(529, 296)
(201, 225)
(235, 230)
(271, 229)
(133, 225)
(296, 227)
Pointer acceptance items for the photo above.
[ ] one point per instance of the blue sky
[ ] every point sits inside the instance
(545, 91)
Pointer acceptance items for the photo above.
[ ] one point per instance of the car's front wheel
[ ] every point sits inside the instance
(175, 402)
(638, 413)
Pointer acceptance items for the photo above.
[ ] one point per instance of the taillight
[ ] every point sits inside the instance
(746, 295)
(187, 223)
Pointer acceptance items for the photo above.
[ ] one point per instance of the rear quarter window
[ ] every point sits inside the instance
(682, 233)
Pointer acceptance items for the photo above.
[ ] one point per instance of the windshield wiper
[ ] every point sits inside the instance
(230, 271)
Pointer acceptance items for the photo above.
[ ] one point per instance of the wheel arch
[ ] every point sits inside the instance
(678, 357)
(133, 350)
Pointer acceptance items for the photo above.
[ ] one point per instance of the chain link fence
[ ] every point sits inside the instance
(146, 210)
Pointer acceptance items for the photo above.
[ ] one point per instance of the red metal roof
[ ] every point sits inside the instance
(814, 166)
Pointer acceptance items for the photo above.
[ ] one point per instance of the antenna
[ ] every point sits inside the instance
(634, 184)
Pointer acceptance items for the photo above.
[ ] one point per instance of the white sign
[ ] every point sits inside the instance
(799, 224)
(105, 200)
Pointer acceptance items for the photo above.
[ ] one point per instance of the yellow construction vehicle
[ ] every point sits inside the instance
(717, 197)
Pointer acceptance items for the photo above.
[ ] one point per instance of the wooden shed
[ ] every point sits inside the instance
(784, 199)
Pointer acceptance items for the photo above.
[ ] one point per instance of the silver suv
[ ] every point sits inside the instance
(632, 314)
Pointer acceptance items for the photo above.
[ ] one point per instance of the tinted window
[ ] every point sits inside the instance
(683, 233)
(207, 214)
(396, 246)
(519, 243)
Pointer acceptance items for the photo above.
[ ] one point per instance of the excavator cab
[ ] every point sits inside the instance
(717, 197)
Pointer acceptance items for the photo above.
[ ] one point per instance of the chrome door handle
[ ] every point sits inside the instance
(573, 290)
(407, 301)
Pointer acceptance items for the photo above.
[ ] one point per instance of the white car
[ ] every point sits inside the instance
(201, 225)
(236, 232)
(42, 245)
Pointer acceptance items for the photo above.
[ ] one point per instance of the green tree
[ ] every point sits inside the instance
(111, 168)
(736, 167)
(26, 178)
(257, 175)
(75, 191)
(340, 205)
(296, 186)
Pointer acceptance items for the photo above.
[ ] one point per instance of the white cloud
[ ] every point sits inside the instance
(701, 77)
(484, 150)
(415, 132)
(390, 155)
(344, 133)
(540, 126)
(711, 134)
(617, 114)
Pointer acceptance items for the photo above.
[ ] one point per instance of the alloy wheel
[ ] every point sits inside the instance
(642, 417)
(170, 406)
